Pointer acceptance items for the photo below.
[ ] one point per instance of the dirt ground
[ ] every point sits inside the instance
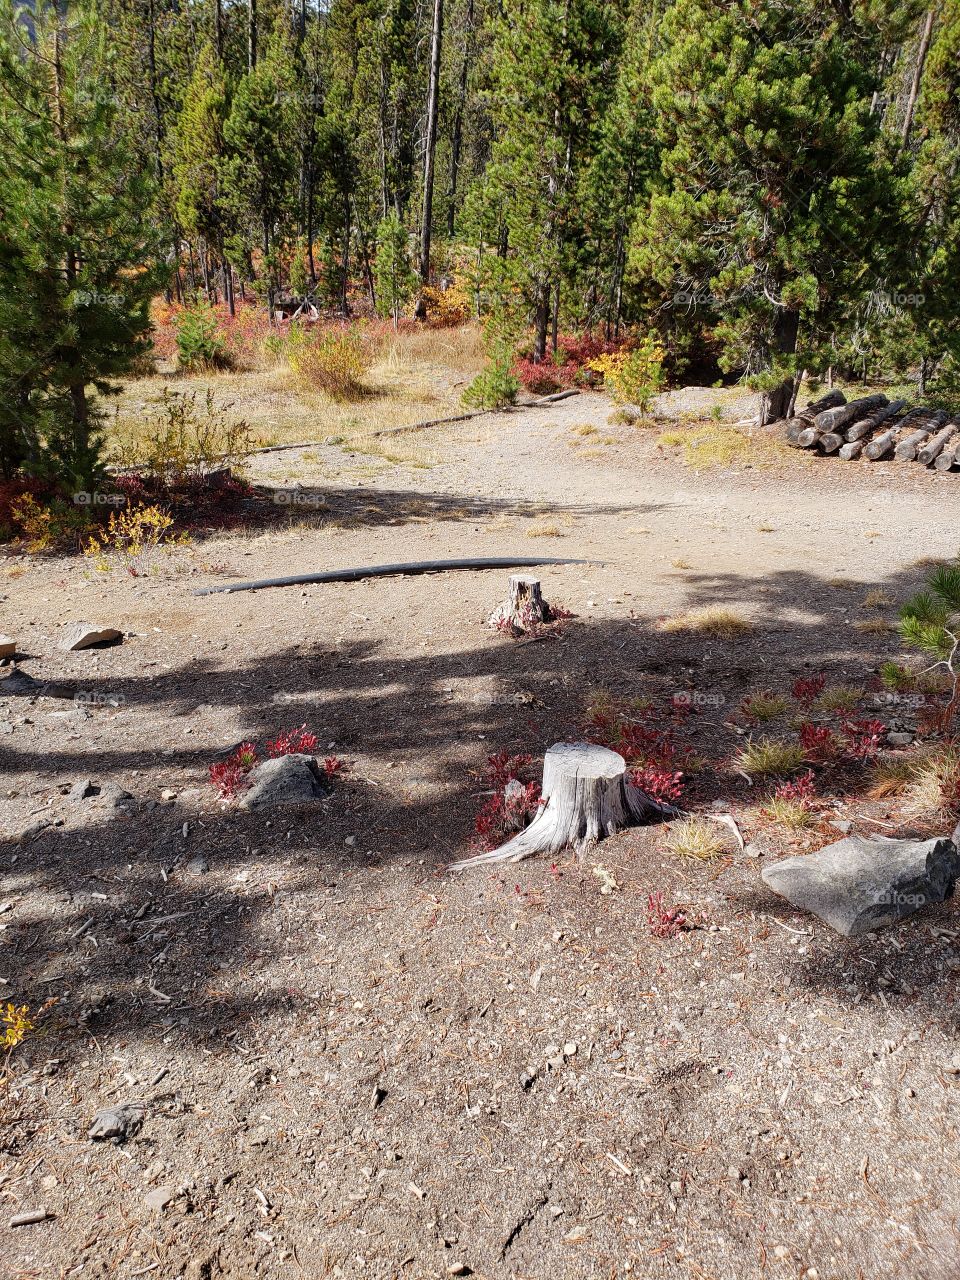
(340, 1047)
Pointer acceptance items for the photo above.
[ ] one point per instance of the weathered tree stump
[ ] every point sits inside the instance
(526, 608)
(586, 796)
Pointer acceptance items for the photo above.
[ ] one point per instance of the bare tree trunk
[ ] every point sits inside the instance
(433, 98)
(924, 46)
(775, 404)
(251, 34)
(456, 140)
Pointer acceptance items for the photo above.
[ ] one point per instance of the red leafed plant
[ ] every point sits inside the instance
(664, 921)
(806, 691)
(293, 742)
(651, 752)
(503, 767)
(230, 775)
(819, 742)
(800, 790)
(333, 765)
(508, 809)
(862, 738)
(659, 784)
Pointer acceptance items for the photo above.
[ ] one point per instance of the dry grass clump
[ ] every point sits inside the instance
(764, 706)
(794, 815)
(873, 627)
(715, 620)
(840, 697)
(876, 599)
(928, 783)
(709, 446)
(544, 531)
(770, 757)
(695, 838)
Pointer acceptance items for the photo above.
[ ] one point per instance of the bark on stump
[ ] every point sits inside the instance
(526, 608)
(586, 796)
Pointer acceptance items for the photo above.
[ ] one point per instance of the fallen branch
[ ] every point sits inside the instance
(392, 570)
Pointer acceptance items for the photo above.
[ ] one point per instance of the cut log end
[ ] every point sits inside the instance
(586, 797)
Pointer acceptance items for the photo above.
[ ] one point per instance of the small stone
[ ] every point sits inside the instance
(899, 739)
(118, 1122)
(81, 790)
(753, 850)
(284, 781)
(570, 1048)
(8, 647)
(159, 1198)
(198, 866)
(843, 825)
(350, 842)
(458, 1269)
(84, 635)
(168, 794)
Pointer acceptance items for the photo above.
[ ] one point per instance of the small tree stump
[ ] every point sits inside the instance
(586, 796)
(526, 608)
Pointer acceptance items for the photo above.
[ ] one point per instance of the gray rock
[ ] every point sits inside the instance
(159, 1198)
(19, 684)
(83, 635)
(198, 866)
(843, 825)
(118, 1122)
(287, 780)
(899, 739)
(8, 646)
(857, 885)
(101, 795)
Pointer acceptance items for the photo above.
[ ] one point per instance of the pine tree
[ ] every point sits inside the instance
(77, 267)
(780, 212)
(259, 168)
(395, 278)
(552, 71)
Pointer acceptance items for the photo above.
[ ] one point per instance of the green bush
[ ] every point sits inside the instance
(496, 385)
(200, 344)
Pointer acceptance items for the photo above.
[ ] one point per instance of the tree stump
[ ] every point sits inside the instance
(526, 608)
(586, 796)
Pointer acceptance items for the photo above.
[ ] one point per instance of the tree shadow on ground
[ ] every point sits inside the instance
(109, 904)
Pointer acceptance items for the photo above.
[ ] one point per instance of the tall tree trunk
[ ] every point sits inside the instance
(924, 46)
(345, 277)
(775, 404)
(541, 322)
(251, 34)
(456, 138)
(433, 96)
(218, 29)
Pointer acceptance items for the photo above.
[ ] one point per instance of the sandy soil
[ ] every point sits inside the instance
(341, 1048)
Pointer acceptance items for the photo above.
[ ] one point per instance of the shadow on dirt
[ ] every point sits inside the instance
(111, 904)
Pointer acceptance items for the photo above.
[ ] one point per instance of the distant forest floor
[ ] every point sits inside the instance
(342, 1049)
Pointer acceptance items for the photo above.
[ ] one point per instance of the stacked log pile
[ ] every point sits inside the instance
(874, 428)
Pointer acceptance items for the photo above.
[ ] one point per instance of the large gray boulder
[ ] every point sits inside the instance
(859, 884)
(284, 781)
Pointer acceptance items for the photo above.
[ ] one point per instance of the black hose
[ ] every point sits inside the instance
(387, 570)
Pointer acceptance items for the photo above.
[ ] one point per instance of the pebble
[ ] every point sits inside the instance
(158, 1199)
(198, 866)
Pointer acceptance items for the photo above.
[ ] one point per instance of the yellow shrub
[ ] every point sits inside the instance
(16, 1024)
(133, 540)
(446, 308)
(334, 361)
(635, 376)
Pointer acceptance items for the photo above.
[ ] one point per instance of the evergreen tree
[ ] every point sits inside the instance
(552, 65)
(77, 266)
(780, 212)
(394, 277)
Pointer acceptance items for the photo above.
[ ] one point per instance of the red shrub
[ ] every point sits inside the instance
(862, 738)
(819, 742)
(230, 775)
(801, 789)
(659, 784)
(664, 922)
(807, 691)
(293, 742)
